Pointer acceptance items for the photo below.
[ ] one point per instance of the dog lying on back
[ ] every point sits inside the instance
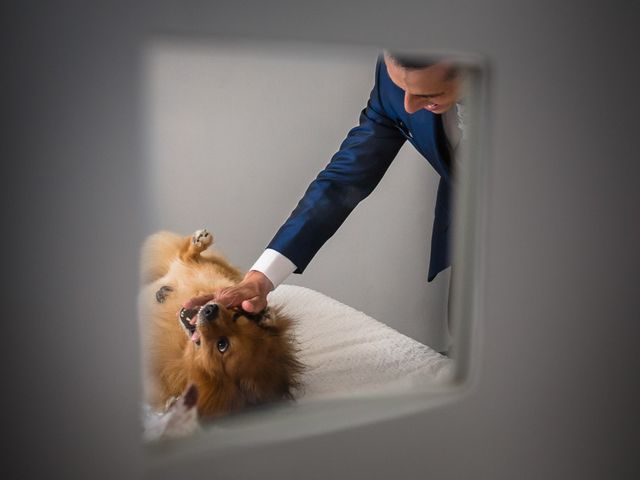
(235, 359)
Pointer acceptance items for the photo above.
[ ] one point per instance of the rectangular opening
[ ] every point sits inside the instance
(236, 132)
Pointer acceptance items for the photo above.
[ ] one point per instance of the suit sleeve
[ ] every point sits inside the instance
(354, 171)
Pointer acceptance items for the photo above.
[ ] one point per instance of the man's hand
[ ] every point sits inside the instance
(250, 294)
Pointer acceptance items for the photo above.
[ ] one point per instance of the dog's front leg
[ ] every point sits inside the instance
(196, 244)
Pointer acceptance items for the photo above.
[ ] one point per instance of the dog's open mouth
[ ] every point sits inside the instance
(187, 316)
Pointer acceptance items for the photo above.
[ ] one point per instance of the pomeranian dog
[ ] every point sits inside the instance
(234, 358)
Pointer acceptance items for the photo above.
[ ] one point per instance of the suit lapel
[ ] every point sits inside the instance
(429, 138)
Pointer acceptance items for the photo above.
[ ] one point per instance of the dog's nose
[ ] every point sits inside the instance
(210, 312)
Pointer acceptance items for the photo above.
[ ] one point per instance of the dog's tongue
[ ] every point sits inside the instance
(195, 337)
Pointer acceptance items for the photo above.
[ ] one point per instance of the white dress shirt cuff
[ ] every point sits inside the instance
(275, 266)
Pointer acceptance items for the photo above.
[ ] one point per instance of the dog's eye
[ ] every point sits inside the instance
(223, 344)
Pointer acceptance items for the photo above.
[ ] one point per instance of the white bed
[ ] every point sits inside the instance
(347, 352)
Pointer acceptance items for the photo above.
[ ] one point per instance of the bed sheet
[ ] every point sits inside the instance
(347, 352)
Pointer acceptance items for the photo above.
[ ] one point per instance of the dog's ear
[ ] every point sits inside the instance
(190, 396)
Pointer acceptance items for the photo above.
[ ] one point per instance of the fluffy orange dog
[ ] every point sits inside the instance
(235, 359)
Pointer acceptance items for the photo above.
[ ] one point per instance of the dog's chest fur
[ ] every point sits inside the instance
(194, 279)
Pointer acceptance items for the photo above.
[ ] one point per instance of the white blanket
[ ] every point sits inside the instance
(346, 352)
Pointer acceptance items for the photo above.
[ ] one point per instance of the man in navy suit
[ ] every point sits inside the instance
(411, 100)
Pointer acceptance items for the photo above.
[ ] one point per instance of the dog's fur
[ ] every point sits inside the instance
(238, 360)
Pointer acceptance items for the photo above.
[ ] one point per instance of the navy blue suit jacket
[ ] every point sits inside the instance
(356, 169)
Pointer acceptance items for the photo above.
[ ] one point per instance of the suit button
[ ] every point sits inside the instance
(404, 129)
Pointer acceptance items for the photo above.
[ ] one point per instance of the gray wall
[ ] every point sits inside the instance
(236, 133)
(556, 393)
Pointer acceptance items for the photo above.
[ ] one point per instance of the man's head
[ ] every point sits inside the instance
(434, 86)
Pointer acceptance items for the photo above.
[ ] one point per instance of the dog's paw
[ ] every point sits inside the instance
(202, 239)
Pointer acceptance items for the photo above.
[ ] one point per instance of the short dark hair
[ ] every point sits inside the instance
(410, 61)
(413, 61)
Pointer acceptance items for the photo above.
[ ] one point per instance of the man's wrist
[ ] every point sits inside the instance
(264, 284)
(275, 266)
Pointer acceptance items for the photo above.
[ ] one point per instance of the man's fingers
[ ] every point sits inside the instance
(250, 294)
(245, 296)
(233, 296)
(247, 306)
(225, 297)
(254, 305)
(197, 301)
